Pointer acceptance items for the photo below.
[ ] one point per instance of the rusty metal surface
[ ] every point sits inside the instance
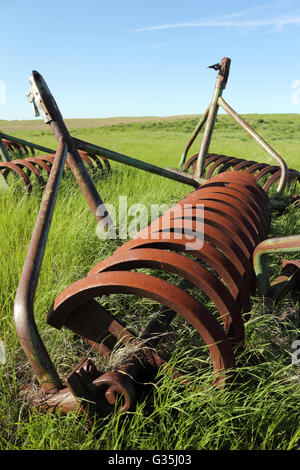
(45, 105)
(187, 269)
(36, 165)
(236, 218)
(262, 171)
(23, 308)
(5, 167)
(158, 290)
(212, 115)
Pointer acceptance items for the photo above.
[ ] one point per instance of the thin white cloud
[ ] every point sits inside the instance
(229, 21)
(277, 22)
(244, 12)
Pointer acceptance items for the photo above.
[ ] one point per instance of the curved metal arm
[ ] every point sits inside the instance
(45, 105)
(272, 245)
(192, 139)
(23, 310)
(260, 141)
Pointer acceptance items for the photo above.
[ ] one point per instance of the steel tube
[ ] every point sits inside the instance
(24, 301)
(120, 158)
(25, 142)
(290, 244)
(192, 139)
(80, 173)
(211, 119)
(48, 108)
(4, 152)
(260, 141)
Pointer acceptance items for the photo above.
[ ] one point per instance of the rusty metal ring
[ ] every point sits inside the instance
(224, 268)
(143, 285)
(188, 269)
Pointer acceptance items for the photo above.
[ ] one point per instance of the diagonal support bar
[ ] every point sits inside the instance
(134, 162)
(44, 104)
(26, 328)
(260, 141)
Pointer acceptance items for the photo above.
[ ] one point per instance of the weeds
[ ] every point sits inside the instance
(260, 410)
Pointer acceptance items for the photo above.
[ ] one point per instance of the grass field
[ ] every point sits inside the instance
(260, 410)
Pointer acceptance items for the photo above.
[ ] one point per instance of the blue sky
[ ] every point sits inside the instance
(137, 58)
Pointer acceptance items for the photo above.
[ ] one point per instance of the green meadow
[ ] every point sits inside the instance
(258, 411)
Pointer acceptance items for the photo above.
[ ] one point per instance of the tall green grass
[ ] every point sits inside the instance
(260, 410)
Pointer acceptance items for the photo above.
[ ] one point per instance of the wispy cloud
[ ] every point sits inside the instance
(229, 21)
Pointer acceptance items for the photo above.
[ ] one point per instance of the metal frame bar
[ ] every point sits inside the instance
(26, 143)
(210, 118)
(198, 128)
(26, 328)
(25, 324)
(290, 244)
(126, 160)
(24, 301)
(45, 104)
(244, 125)
(3, 151)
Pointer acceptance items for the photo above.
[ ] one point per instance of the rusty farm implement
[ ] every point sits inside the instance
(29, 168)
(215, 239)
(205, 165)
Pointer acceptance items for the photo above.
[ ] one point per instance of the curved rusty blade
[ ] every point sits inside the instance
(244, 164)
(186, 268)
(10, 166)
(207, 254)
(266, 171)
(292, 175)
(259, 212)
(220, 222)
(228, 166)
(38, 161)
(26, 164)
(220, 161)
(255, 167)
(158, 290)
(215, 237)
(116, 384)
(242, 214)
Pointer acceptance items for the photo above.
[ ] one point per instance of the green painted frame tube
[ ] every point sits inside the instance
(210, 123)
(26, 142)
(4, 152)
(261, 142)
(198, 128)
(120, 158)
(290, 244)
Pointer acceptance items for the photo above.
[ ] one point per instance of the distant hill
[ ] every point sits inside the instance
(37, 124)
